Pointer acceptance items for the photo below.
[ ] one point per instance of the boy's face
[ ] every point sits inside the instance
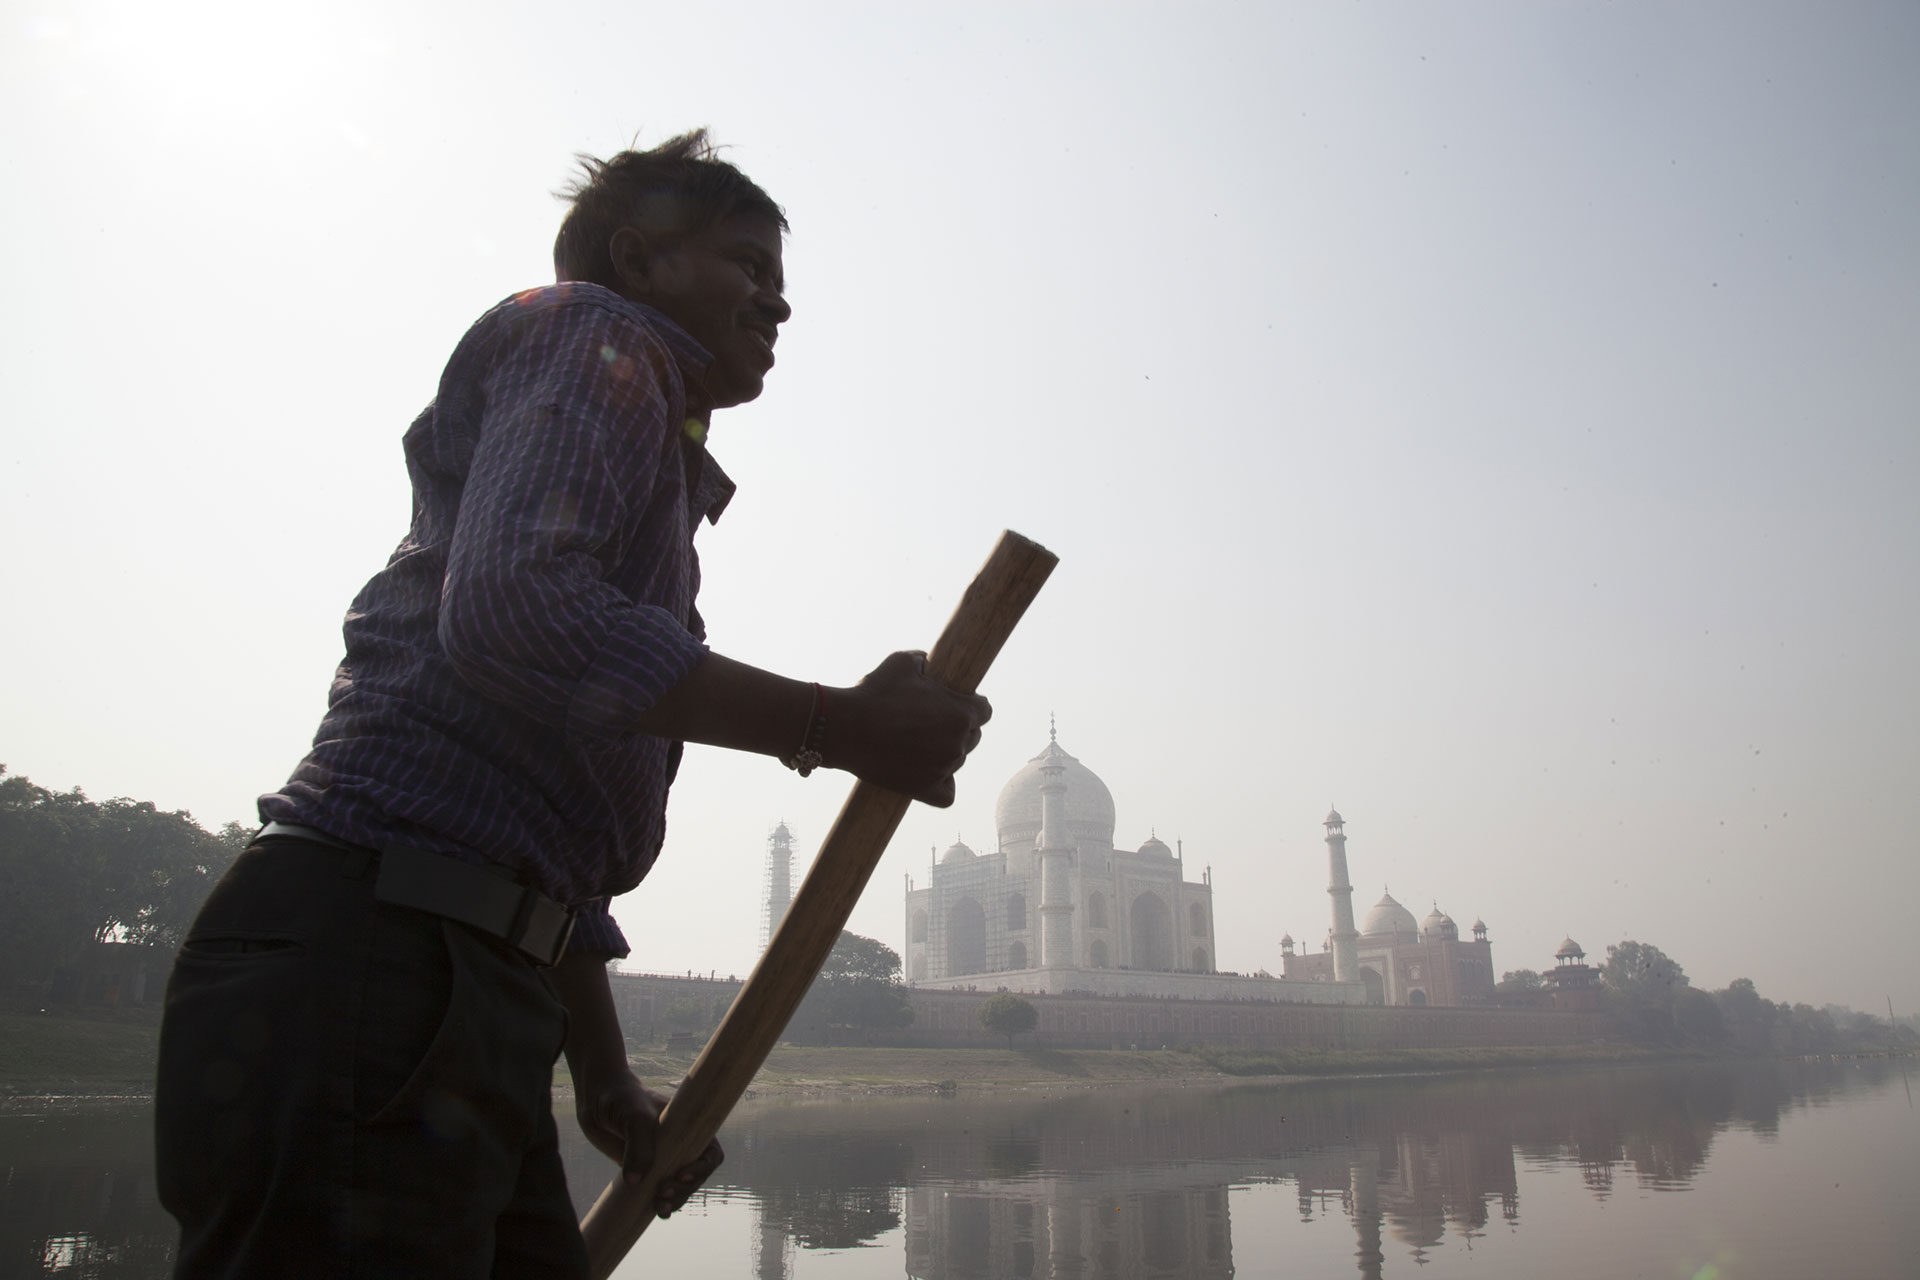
(723, 285)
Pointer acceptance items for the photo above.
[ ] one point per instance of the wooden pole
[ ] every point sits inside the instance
(993, 604)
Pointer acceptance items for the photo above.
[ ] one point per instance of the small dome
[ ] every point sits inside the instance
(1569, 950)
(1388, 917)
(1156, 845)
(1286, 939)
(1333, 818)
(781, 833)
(1439, 924)
(958, 853)
(1479, 925)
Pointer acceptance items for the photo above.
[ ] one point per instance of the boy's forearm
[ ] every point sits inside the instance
(897, 727)
(723, 703)
(596, 1050)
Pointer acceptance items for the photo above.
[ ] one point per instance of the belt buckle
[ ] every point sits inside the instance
(535, 933)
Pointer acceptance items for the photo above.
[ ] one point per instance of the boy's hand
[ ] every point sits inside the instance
(903, 730)
(622, 1119)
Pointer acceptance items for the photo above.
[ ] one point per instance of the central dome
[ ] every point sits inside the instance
(1088, 805)
(1388, 917)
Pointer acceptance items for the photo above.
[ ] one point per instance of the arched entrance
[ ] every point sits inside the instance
(1200, 960)
(1376, 986)
(1097, 953)
(1017, 956)
(1152, 922)
(1417, 999)
(966, 938)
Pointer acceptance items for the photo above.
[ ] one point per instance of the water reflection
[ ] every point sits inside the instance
(1101, 1184)
(1136, 1186)
(77, 1196)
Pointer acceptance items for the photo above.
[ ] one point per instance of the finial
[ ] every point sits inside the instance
(1053, 729)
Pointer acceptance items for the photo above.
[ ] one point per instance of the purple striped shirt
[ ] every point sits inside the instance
(542, 598)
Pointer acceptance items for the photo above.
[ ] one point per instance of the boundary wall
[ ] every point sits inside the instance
(950, 1019)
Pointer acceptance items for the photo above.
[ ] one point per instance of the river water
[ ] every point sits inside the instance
(1751, 1171)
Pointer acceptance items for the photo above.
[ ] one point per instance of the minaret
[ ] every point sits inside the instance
(1346, 938)
(779, 882)
(1056, 861)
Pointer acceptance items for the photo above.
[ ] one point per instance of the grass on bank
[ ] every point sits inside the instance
(934, 1070)
(108, 1052)
(1317, 1062)
(71, 1053)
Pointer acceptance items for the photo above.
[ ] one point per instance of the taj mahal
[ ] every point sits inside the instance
(1055, 907)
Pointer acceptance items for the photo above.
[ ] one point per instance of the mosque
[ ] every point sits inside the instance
(1056, 908)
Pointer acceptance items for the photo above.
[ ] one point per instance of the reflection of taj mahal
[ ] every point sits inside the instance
(1056, 908)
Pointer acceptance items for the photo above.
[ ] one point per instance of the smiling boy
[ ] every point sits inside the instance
(357, 1050)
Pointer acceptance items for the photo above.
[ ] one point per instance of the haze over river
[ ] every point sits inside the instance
(1754, 1171)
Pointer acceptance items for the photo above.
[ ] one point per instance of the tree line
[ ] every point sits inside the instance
(76, 872)
(1650, 1000)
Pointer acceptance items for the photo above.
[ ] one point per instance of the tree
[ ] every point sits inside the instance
(1643, 982)
(74, 872)
(858, 989)
(1697, 1018)
(1008, 1015)
(1517, 980)
(1748, 1015)
(1644, 973)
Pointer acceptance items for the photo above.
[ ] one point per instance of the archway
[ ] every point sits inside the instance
(1417, 999)
(966, 938)
(918, 931)
(918, 971)
(1152, 923)
(1097, 953)
(1017, 956)
(1376, 986)
(1200, 960)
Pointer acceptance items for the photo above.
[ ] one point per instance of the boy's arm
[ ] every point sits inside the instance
(897, 728)
(619, 1115)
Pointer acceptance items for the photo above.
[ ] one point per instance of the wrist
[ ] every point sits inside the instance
(598, 1074)
(811, 753)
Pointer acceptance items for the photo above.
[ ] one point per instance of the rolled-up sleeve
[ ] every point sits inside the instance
(595, 933)
(578, 422)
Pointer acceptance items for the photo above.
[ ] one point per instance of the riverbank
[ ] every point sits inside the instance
(112, 1054)
(796, 1069)
(55, 1054)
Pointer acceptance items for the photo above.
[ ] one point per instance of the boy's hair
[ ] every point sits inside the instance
(610, 194)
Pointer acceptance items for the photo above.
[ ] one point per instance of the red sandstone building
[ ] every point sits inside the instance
(1401, 961)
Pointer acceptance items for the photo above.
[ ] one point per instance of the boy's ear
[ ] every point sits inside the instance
(632, 251)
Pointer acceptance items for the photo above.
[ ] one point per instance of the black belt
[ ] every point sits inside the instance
(522, 917)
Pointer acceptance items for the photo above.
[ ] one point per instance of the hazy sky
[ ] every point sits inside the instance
(1496, 420)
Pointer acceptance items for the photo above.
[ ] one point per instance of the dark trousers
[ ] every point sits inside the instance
(350, 1088)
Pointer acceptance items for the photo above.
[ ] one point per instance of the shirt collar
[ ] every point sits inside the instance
(712, 488)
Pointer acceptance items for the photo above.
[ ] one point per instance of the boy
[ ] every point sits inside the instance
(356, 1055)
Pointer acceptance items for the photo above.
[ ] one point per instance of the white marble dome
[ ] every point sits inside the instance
(1087, 802)
(958, 852)
(1388, 917)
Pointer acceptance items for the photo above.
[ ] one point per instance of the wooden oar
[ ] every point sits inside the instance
(993, 604)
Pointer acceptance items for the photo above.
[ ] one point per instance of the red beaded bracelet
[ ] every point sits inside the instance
(809, 757)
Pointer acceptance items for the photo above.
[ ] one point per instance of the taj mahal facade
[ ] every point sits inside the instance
(1055, 908)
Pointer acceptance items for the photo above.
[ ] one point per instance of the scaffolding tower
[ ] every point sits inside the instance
(778, 895)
